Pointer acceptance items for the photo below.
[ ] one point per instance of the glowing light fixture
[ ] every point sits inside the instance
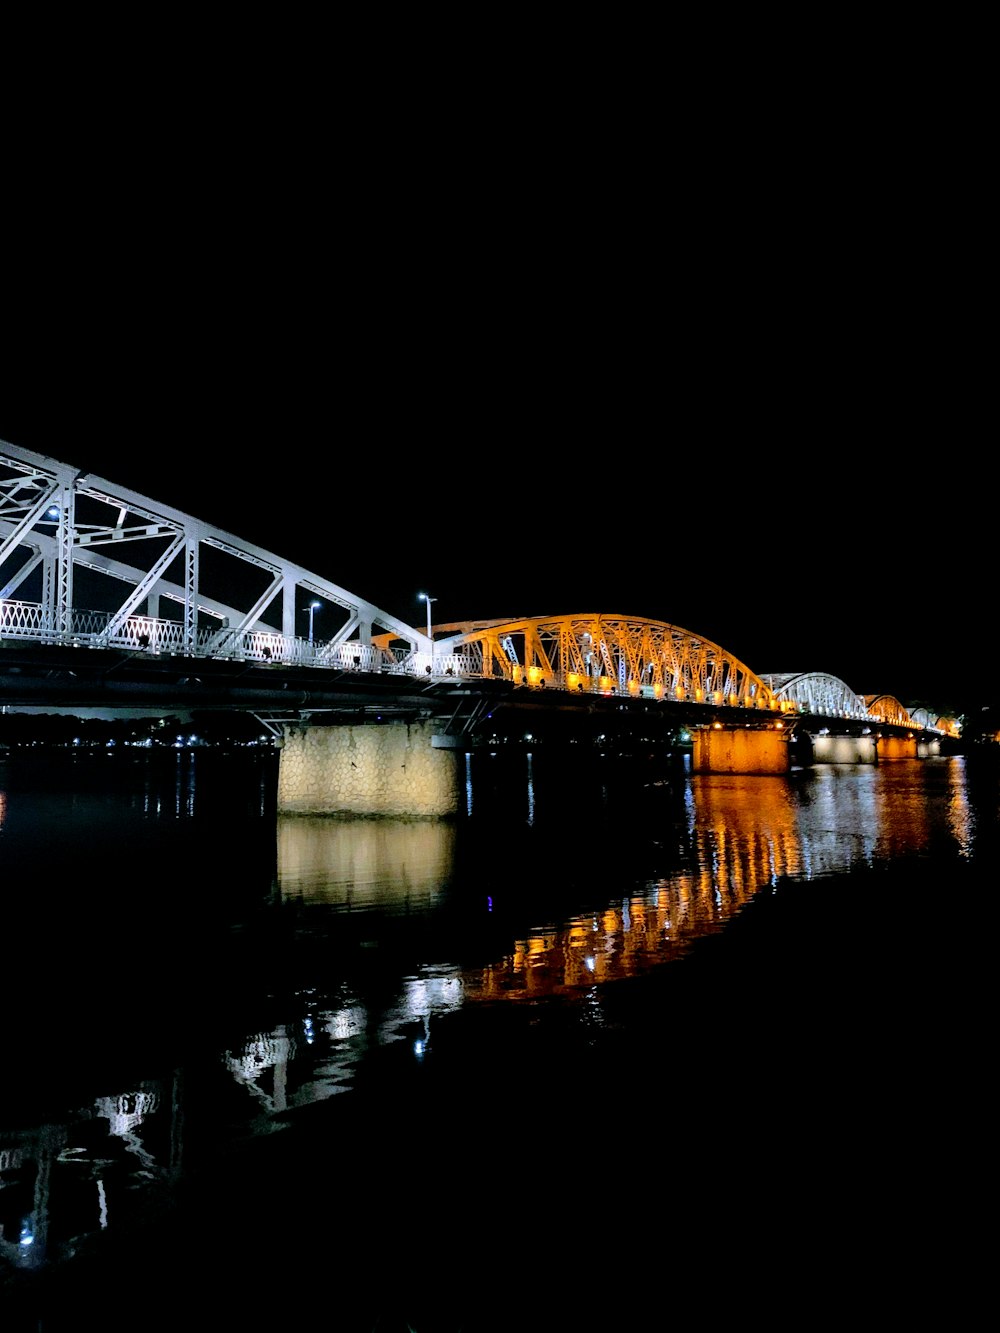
(313, 608)
(424, 597)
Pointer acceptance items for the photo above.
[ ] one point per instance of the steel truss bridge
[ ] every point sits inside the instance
(88, 564)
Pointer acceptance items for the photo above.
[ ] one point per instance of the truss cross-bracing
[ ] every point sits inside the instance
(85, 561)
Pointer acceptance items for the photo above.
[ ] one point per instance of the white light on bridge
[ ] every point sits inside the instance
(425, 597)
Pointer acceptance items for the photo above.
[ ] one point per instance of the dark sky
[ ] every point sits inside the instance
(742, 394)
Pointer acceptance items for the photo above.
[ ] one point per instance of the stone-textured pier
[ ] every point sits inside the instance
(390, 769)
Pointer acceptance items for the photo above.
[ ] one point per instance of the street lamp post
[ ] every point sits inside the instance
(313, 608)
(425, 598)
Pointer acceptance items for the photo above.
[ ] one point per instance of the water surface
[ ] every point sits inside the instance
(187, 973)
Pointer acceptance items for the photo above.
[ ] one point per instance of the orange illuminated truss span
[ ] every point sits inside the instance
(603, 654)
(884, 708)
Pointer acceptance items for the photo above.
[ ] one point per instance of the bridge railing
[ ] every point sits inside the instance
(21, 620)
(29, 622)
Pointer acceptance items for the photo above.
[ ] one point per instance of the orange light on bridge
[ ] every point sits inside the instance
(573, 680)
(605, 684)
(658, 690)
(534, 675)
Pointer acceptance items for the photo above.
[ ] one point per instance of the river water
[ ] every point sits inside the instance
(617, 1039)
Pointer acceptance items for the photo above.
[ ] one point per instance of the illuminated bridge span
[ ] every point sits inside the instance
(85, 562)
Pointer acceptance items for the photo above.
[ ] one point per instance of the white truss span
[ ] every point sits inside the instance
(815, 692)
(85, 561)
(827, 696)
(605, 654)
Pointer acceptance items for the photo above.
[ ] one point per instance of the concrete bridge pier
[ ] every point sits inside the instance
(373, 769)
(897, 747)
(721, 749)
(843, 749)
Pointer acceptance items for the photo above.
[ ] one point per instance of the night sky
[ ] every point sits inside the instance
(751, 409)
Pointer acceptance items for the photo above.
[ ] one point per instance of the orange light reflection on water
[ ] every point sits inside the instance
(743, 839)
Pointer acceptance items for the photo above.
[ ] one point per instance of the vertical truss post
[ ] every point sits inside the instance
(63, 623)
(190, 595)
(49, 582)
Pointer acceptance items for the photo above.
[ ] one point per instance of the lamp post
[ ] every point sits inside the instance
(313, 608)
(424, 597)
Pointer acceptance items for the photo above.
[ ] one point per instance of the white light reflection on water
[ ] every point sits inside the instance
(961, 818)
(125, 1115)
(280, 1071)
(359, 864)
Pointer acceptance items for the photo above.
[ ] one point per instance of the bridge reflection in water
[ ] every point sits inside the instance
(376, 930)
(740, 835)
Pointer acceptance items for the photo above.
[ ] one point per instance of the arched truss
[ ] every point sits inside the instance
(184, 586)
(604, 654)
(884, 708)
(828, 696)
(929, 721)
(817, 693)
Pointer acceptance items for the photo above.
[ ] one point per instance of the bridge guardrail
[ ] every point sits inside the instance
(27, 622)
